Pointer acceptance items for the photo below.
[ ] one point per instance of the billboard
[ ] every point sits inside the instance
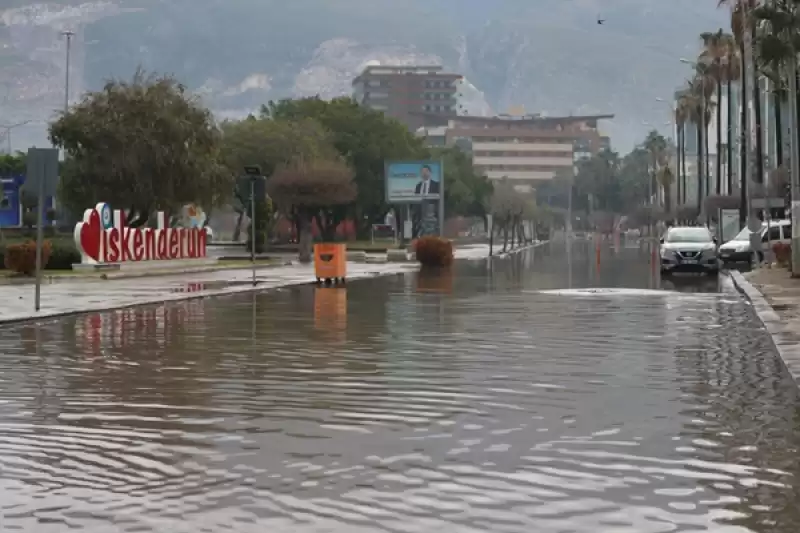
(413, 181)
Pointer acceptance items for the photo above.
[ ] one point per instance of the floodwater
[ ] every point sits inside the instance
(519, 395)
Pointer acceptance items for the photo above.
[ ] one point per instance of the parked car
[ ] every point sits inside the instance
(739, 249)
(689, 249)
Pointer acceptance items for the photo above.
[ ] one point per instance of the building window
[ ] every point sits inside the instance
(426, 107)
(5, 202)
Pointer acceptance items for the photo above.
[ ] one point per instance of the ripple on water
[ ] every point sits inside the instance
(472, 411)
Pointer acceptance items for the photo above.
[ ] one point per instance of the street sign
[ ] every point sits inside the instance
(42, 172)
(42, 177)
(259, 186)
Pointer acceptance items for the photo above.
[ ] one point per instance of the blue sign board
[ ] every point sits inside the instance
(413, 181)
(10, 201)
(10, 215)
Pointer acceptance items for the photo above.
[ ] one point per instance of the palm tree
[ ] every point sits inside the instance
(778, 31)
(714, 55)
(701, 88)
(665, 179)
(743, 23)
(681, 116)
(656, 146)
(732, 72)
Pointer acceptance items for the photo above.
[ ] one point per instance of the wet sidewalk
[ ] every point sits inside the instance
(775, 297)
(17, 301)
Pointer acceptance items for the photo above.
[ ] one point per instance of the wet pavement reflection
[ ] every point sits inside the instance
(513, 395)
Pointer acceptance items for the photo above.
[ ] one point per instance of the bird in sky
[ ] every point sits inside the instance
(601, 21)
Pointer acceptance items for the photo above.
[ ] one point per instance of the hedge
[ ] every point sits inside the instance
(433, 251)
(63, 254)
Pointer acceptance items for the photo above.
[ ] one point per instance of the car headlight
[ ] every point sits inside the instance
(667, 254)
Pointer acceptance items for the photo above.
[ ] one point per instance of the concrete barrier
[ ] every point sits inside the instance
(357, 256)
(398, 256)
(376, 259)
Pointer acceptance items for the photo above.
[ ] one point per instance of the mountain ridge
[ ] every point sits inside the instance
(550, 56)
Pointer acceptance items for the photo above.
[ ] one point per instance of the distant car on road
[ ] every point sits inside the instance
(689, 249)
(739, 249)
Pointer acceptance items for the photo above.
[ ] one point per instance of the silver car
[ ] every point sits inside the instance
(687, 249)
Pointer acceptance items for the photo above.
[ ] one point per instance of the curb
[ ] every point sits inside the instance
(509, 253)
(403, 268)
(782, 336)
(48, 316)
(51, 280)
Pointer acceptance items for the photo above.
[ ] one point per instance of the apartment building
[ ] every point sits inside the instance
(529, 149)
(418, 96)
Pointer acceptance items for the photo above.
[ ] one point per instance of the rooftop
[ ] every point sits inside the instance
(532, 119)
(414, 70)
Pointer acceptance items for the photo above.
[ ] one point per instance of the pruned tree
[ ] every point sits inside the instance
(141, 145)
(320, 190)
(507, 207)
(365, 139)
(270, 144)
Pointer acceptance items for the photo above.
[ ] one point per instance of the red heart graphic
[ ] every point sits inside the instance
(90, 234)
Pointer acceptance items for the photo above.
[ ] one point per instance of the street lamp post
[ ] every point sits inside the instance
(68, 35)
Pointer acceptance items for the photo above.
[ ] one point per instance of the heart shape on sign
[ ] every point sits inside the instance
(90, 234)
(326, 257)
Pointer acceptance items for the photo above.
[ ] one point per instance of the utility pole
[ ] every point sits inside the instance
(68, 35)
(793, 160)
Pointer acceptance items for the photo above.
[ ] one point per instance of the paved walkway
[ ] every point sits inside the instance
(97, 295)
(775, 297)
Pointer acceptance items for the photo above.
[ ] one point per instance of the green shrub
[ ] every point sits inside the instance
(63, 254)
(263, 220)
(434, 251)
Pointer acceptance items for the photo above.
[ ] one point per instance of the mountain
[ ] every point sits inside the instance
(549, 55)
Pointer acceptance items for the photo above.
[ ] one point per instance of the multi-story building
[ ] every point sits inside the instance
(526, 150)
(418, 96)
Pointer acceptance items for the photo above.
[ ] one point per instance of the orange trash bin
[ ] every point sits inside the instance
(330, 261)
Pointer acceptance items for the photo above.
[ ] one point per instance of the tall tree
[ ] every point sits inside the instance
(715, 54)
(656, 146)
(365, 138)
(682, 115)
(142, 145)
(732, 73)
(270, 144)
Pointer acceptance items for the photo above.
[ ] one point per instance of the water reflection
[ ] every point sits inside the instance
(463, 401)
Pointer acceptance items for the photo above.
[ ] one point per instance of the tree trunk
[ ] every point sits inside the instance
(700, 165)
(776, 111)
(742, 144)
(685, 196)
(678, 163)
(505, 237)
(719, 136)
(304, 239)
(759, 137)
(707, 158)
(237, 231)
(730, 141)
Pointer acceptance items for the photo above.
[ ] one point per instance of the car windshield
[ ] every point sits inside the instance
(743, 235)
(688, 235)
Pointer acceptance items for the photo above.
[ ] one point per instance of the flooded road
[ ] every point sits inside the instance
(503, 398)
